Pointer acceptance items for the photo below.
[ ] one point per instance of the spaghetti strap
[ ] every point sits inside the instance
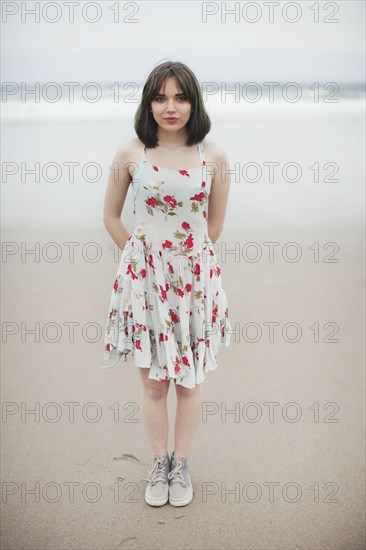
(143, 154)
(200, 151)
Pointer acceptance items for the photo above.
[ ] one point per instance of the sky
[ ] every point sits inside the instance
(150, 32)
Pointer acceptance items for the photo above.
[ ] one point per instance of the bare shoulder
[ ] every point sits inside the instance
(216, 156)
(129, 152)
(128, 148)
(214, 151)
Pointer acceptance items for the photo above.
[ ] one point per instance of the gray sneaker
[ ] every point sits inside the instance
(180, 485)
(157, 489)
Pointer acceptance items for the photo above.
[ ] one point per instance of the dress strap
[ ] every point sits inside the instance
(143, 155)
(200, 151)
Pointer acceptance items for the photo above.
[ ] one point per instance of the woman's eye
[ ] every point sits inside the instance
(182, 98)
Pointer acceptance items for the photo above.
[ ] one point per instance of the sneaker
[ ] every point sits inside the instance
(157, 489)
(180, 485)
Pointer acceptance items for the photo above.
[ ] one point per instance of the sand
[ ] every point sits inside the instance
(283, 470)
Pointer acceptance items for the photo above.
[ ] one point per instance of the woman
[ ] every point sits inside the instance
(168, 304)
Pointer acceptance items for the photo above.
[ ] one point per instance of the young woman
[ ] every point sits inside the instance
(168, 305)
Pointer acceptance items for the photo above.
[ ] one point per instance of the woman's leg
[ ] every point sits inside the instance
(154, 411)
(188, 416)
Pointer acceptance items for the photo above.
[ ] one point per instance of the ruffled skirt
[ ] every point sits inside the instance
(169, 310)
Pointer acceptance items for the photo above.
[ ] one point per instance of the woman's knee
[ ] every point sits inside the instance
(188, 393)
(154, 389)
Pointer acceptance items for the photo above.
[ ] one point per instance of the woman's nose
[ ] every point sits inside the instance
(171, 106)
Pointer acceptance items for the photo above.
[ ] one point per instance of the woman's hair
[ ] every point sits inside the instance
(199, 123)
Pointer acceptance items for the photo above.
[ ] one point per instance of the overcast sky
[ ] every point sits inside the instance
(127, 51)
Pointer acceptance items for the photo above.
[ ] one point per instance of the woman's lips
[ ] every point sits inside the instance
(171, 119)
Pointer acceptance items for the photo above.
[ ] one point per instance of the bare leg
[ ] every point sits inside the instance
(154, 411)
(187, 419)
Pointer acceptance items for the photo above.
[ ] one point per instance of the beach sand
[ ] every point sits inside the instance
(281, 476)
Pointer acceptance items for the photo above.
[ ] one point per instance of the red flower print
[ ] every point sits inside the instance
(186, 225)
(177, 368)
(108, 347)
(184, 173)
(171, 270)
(214, 314)
(180, 292)
(151, 261)
(170, 200)
(155, 168)
(152, 202)
(218, 270)
(204, 214)
(138, 344)
(130, 272)
(188, 287)
(198, 197)
(203, 184)
(197, 270)
(173, 316)
(143, 273)
(185, 361)
(115, 286)
(167, 244)
(161, 337)
(164, 292)
(189, 241)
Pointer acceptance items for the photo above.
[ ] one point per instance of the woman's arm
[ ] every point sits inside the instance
(117, 187)
(219, 194)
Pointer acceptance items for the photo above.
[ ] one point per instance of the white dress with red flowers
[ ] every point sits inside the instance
(168, 305)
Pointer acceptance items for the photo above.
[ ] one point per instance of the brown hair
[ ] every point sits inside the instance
(199, 123)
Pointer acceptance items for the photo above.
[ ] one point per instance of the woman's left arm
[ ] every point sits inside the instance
(219, 193)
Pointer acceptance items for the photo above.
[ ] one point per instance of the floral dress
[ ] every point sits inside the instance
(168, 305)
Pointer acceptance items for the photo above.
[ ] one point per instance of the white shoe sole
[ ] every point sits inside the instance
(156, 502)
(181, 502)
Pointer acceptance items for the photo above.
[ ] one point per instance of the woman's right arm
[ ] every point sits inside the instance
(117, 187)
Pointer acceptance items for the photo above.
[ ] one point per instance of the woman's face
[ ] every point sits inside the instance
(170, 108)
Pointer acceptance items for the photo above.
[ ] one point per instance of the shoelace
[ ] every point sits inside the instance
(157, 471)
(176, 474)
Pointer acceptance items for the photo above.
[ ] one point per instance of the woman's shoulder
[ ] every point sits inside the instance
(214, 151)
(129, 147)
(129, 152)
